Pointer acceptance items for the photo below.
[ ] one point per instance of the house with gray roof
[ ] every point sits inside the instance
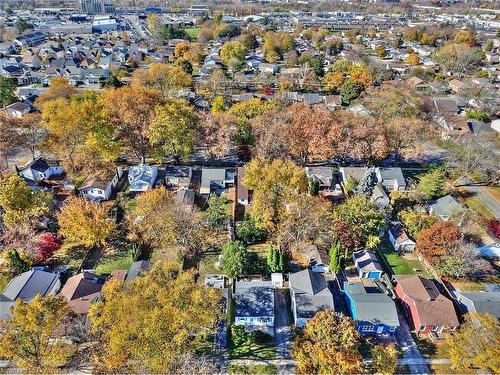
(25, 287)
(445, 207)
(216, 180)
(137, 269)
(487, 302)
(254, 305)
(373, 311)
(392, 179)
(309, 293)
(142, 177)
(367, 264)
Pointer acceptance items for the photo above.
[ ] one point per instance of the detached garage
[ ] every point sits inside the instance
(367, 264)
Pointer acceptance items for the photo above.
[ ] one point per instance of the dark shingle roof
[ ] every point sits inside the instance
(254, 299)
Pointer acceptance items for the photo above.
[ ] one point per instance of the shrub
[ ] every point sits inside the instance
(48, 244)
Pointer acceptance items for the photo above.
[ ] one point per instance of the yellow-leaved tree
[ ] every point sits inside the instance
(167, 79)
(154, 322)
(328, 345)
(30, 340)
(85, 223)
(476, 344)
(273, 184)
(19, 203)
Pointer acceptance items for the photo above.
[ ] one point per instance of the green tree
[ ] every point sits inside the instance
(363, 217)
(22, 25)
(167, 317)
(476, 114)
(313, 187)
(20, 204)
(14, 262)
(233, 54)
(248, 233)
(334, 255)
(218, 211)
(415, 221)
(7, 91)
(275, 260)
(173, 130)
(29, 338)
(476, 344)
(218, 16)
(385, 359)
(328, 345)
(432, 183)
(112, 81)
(235, 259)
(350, 90)
(381, 51)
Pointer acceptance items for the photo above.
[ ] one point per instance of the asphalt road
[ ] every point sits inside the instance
(489, 200)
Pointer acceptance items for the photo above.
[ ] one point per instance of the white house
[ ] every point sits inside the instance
(18, 109)
(101, 188)
(142, 177)
(41, 169)
(254, 305)
(399, 239)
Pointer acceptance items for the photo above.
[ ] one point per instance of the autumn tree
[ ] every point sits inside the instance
(31, 133)
(388, 103)
(465, 37)
(458, 58)
(251, 108)
(29, 338)
(476, 344)
(233, 54)
(48, 244)
(59, 89)
(156, 221)
(79, 132)
(85, 223)
(273, 184)
(20, 204)
(132, 110)
(413, 59)
(332, 81)
(362, 216)
(305, 219)
(434, 241)
(415, 221)
(405, 136)
(173, 129)
(218, 133)
(385, 359)
(328, 345)
(166, 318)
(9, 136)
(168, 80)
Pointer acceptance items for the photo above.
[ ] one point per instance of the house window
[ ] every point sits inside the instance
(367, 328)
(392, 329)
(421, 328)
(435, 328)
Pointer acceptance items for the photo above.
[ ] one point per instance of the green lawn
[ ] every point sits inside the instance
(193, 32)
(4, 280)
(398, 263)
(120, 261)
(250, 350)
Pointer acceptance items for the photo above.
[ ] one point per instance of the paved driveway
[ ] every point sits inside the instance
(411, 354)
(282, 334)
(488, 199)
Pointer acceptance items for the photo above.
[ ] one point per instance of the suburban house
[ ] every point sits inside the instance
(399, 239)
(243, 194)
(101, 188)
(142, 177)
(309, 293)
(317, 259)
(254, 305)
(367, 264)
(424, 305)
(40, 169)
(82, 290)
(391, 178)
(18, 109)
(138, 268)
(480, 128)
(328, 181)
(178, 177)
(216, 180)
(374, 312)
(26, 286)
(444, 207)
(480, 302)
(355, 173)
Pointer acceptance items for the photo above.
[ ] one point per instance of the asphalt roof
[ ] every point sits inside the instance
(372, 307)
(254, 299)
(485, 302)
(445, 206)
(137, 268)
(367, 261)
(311, 293)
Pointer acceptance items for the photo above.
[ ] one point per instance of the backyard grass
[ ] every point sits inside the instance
(193, 32)
(70, 254)
(399, 264)
(118, 261)
(4, 280)
(208, 265)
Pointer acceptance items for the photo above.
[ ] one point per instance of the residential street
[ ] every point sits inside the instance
(489, 200)
(411, 354)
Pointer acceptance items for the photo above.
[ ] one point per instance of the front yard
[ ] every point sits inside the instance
(251, 350)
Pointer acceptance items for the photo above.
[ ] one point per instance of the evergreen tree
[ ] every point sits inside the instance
(334, 257)
(313, 187)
